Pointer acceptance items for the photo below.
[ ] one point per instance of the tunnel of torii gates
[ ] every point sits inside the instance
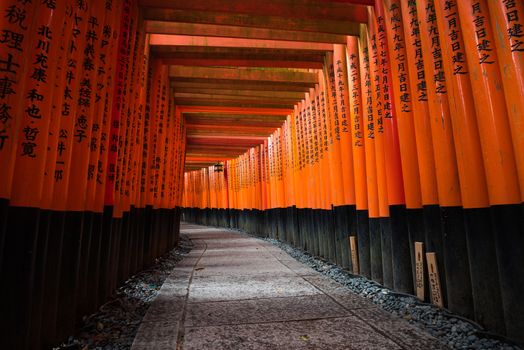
(385, 136)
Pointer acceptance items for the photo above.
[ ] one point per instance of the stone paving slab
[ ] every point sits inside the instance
(398, 329)
(237, 292)
(263, 310)
(340, 293)
(249, 287)
(336, 333)
(267, 268)
(299, 268)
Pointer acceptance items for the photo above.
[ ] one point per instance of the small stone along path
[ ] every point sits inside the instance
(233, 291)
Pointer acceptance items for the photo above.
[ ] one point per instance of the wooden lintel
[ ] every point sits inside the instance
(187, 40)
(247, 74)
(192, 149)
(232, 103)
(257, 21)
(235, 97)
(217, 119)
(159, 27)
(235, 116)
(234, 139)
(232, 52)
(206, 62)
(211, 128)
(356, 2)
(289, 9)
(264, 85)
(242, 92)
(239, 85)
(235, 110)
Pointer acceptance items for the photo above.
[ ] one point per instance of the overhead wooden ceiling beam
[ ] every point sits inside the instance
(264, 85)
(240, 63)
(199, 151)
(224, 139)
(225, 129)
(218, 119)
(226, 52)
(258, 21)
(290, 9)
(234, 56)
(239, 85)
(248, 74)
(242, 92)
(160, 27)
(235, 110)
(192, 149)
(204, 161)
(233, 116)
(210, 52)
(356, 2)
(232, 103)
(234, 97)
(187, 40)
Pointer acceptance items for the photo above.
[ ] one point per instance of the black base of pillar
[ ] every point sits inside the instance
(457, 274)
(387, 258)
(508, 225)
(375, 239)
(400, 250)
(93, 271)
(415, 220)
(485, 281)
(40, 280)
(435, 243)
(363, 243)
(69, 277)
(18, 276)
(85, 251)
(3, 227)
(53, 268)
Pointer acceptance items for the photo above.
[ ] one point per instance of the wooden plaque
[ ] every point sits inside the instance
(434, 280)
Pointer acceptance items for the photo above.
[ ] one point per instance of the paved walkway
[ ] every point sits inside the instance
(237, 292)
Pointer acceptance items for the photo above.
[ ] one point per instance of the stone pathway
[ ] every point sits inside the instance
(237, 292)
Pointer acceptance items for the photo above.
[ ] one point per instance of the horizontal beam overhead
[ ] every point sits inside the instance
(204, 62)
(224, 140)
(247, 57)
(204, 161)
(248, 74)
(193, 151)
(217, 119)
(235, 110)
(186, 40)
(160, 27)
(239, 85)
(264, 85)
(223, 148)
(289, 9)
(235, 97)
(235, 53)
(225, 52)
(232, 103)
(242, 92)
(257, 21)
(225, 129)
(356, 2)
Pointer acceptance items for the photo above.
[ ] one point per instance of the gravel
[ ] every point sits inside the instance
(453, 330)
(115, 324)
